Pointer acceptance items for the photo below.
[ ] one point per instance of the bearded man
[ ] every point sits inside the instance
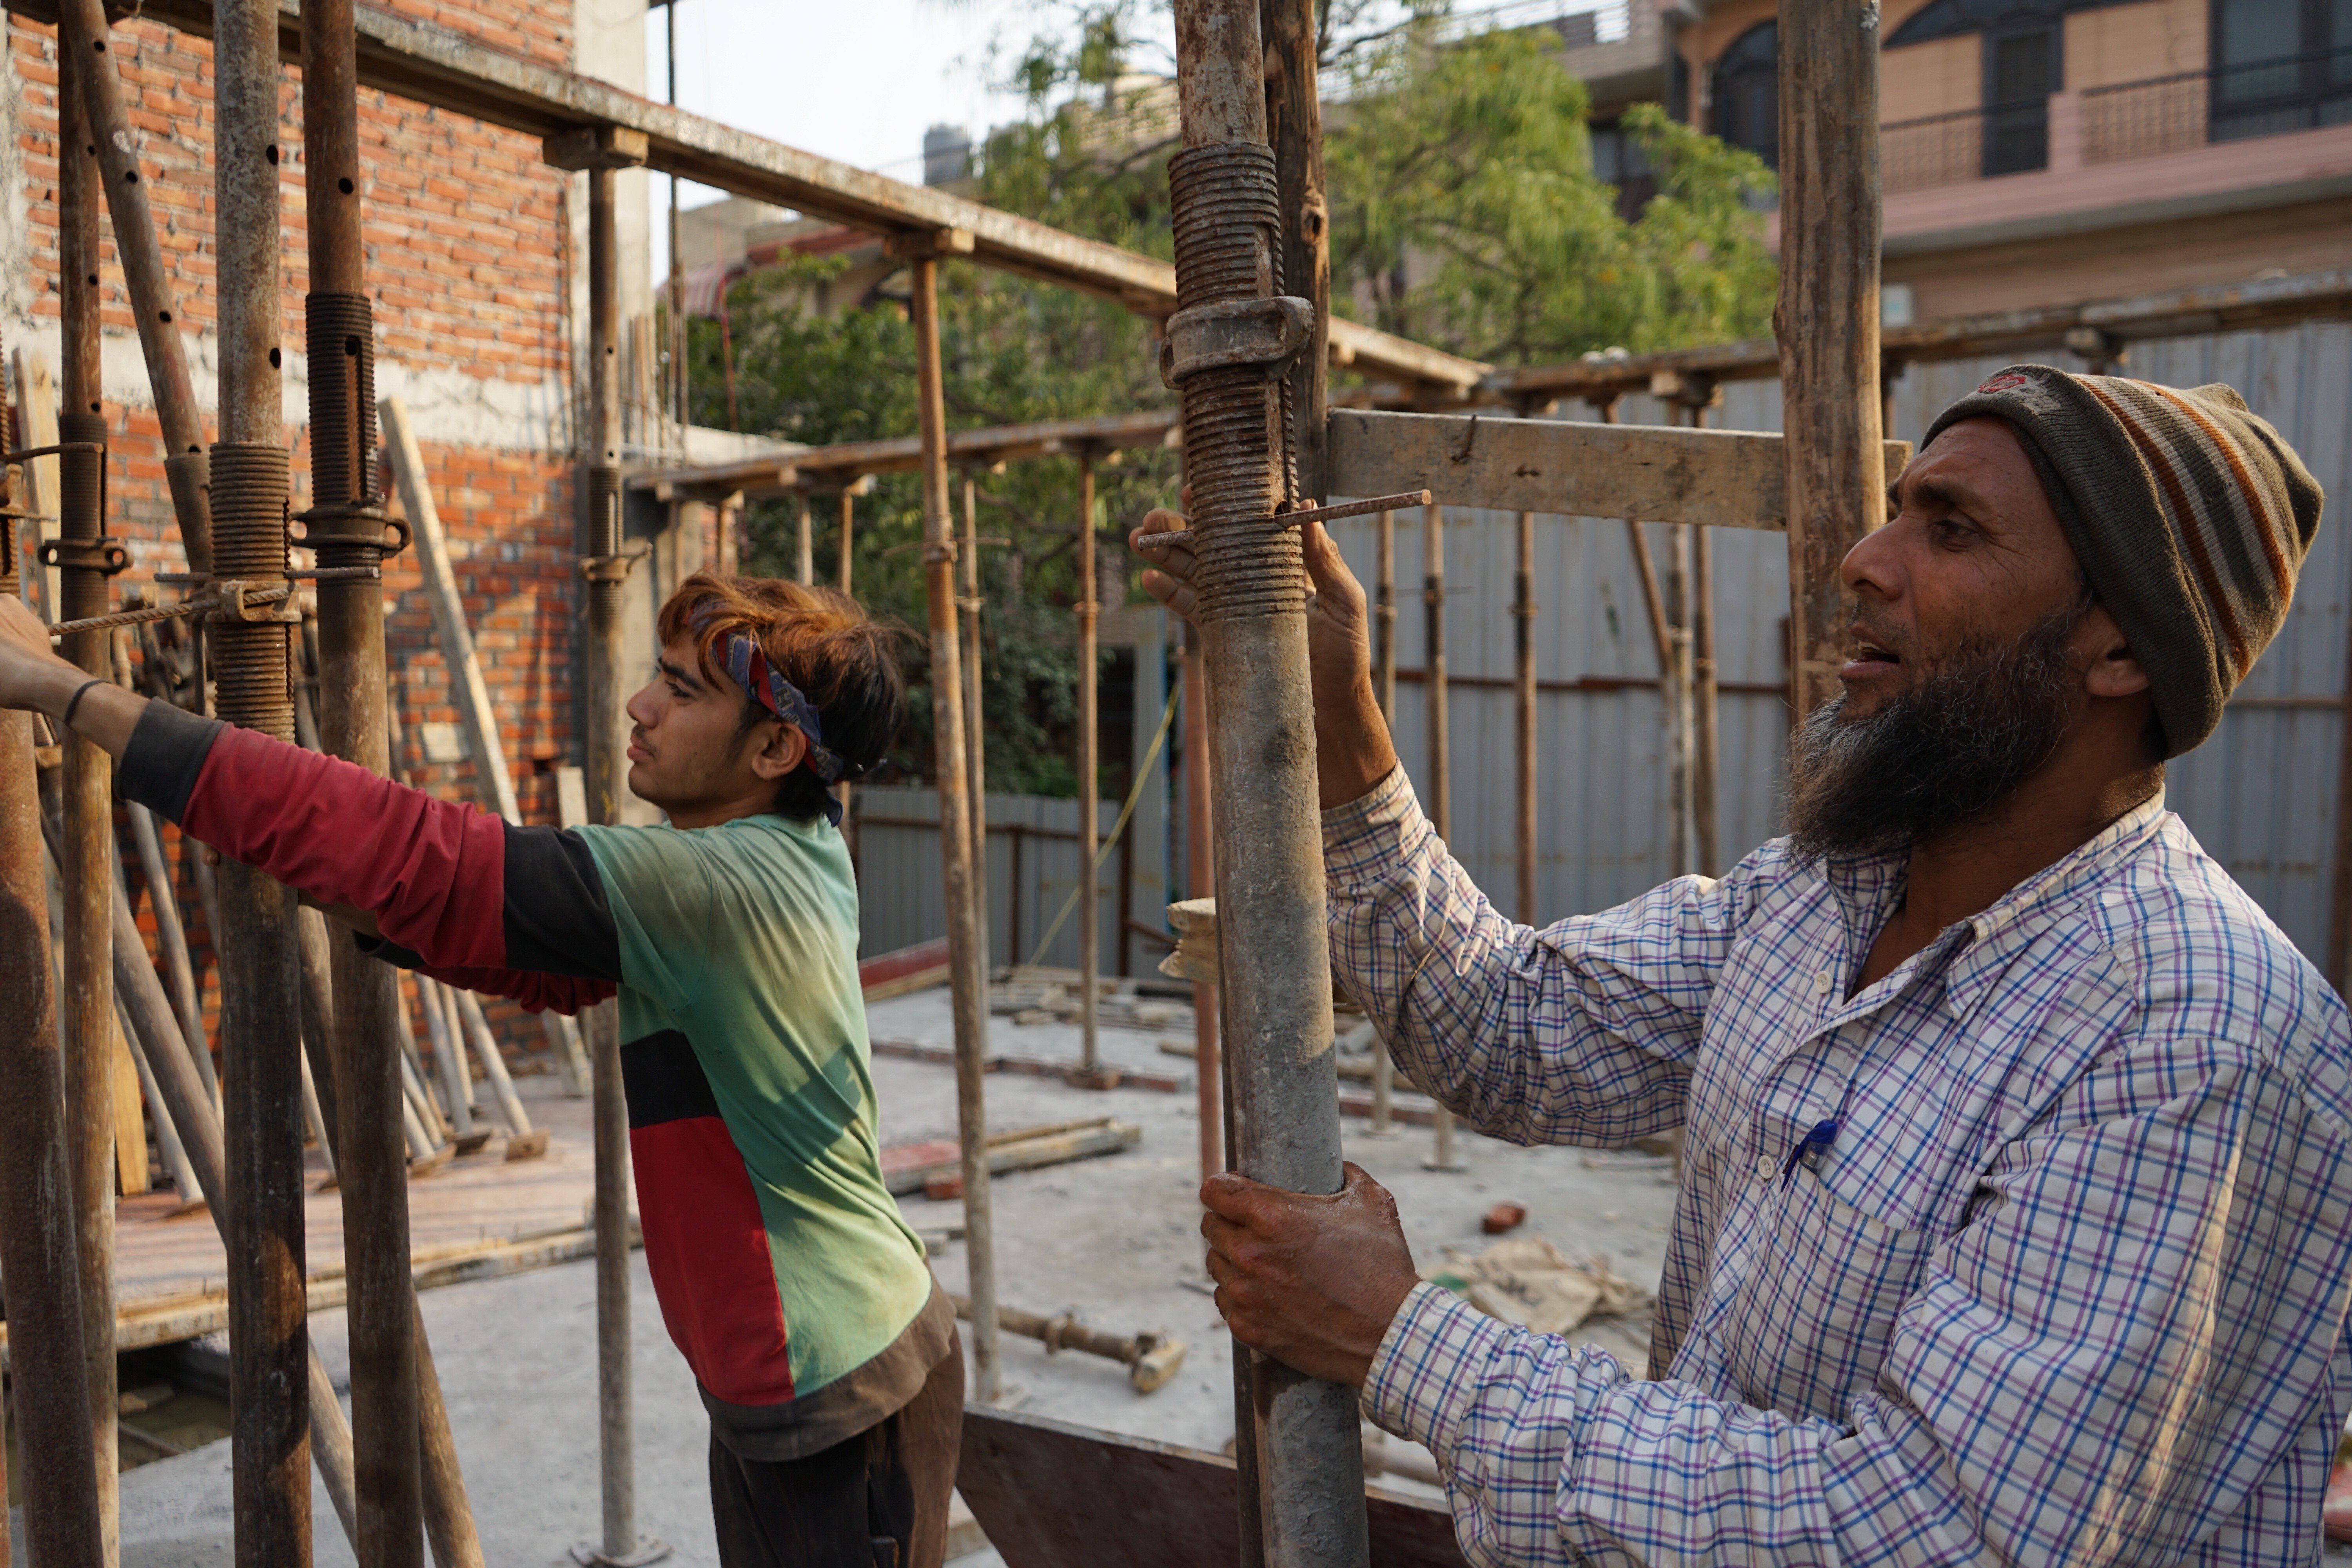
(2013, 1226)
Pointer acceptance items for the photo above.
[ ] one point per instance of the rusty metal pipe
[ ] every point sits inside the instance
(1523, 611)
(260, 955)
(1089, 784)
(967, 970)
(1273, 955)
(83, 40)
(607, 768)
(1443, 1157)
(1200, 877)
(37, 1249)
(975, 754)
(85, 868)
(371, 1134)
(187, 1111)
(172, 938)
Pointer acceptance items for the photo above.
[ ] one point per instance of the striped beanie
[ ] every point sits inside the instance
(2189, 514)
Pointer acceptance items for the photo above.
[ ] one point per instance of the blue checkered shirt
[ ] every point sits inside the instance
(2068, 1285)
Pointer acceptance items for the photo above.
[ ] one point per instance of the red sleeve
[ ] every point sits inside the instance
(434, 873)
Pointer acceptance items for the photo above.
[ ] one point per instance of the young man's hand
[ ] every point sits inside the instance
(1351, 741)
(1312, 1281)
(33, 677)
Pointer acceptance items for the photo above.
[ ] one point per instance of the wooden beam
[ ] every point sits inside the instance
(1726, 478)
(431, 66)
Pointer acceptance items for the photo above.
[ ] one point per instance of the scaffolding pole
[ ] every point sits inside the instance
(262, 1010)
(606, 570)
(1827, 322)
(1443, 1157)
(1384, 669)
(966, 969)
(37, 1253)
(974, 706)
(85, 558)
(1523, 613)
(1200, 877)
(1229, 345)
(82, 40)
(405, 1474)
(1086, 606)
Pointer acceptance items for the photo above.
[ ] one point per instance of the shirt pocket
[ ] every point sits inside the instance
(1814, 1314)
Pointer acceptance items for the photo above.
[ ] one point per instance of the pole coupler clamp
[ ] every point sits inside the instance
(613, 568)
(1263, 334)
(104, 554)
(359, 524)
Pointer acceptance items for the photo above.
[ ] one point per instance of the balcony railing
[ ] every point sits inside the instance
(2226, 103)
(2130, 119)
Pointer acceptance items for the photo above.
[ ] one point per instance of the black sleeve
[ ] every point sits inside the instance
(557, 919)
(167, 751)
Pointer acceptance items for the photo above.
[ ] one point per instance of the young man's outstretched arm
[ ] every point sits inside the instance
(518, 912)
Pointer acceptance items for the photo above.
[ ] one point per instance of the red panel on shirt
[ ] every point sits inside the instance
(707, 1245)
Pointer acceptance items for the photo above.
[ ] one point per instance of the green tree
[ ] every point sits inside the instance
(1467, 214)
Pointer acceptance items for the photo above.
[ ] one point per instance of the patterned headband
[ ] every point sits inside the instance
(767, 687)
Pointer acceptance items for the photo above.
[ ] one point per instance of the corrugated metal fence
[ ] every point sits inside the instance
(2260, 794)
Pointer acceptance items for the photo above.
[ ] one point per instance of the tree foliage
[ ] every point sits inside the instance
(1465, 213)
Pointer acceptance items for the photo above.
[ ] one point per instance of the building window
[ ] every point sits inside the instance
(2022, 69)
(1744, 107)
(2280, 66)
(1618, 160)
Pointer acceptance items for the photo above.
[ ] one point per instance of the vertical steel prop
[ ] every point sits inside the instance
(82, 40)
(85, 558)
(1706, 738)
(37, 1255)
(405, 1476)
(1827, 320)
(262, 1010)
(966, 969)
(606, 570)
(1087, 608)
(1229, 347)
(1442, 1153)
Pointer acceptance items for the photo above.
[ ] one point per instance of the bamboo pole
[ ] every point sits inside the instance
(1523, 611)
(807, 557)
(1384, 669)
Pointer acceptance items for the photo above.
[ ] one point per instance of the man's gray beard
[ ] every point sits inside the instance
(1940, 756)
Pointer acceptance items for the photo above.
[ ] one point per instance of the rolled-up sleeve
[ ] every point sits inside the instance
(1580, 1032)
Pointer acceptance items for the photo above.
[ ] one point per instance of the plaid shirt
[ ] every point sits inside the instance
(2068, 1284)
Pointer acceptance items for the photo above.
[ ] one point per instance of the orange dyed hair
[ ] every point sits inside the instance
(821, 640)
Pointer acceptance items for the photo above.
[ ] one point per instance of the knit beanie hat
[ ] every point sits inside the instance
(2189, 514)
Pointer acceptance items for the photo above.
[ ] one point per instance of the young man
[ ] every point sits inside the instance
(824, 1351)
(2016, 1217)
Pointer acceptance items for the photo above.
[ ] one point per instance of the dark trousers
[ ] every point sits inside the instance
(875, 1501)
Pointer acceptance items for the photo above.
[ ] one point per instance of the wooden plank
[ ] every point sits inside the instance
(35, 388)
(907, 1168)
(493, 786)
(1724, 478)
(1049, 1494)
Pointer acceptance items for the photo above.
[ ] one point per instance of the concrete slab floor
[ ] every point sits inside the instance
(1113, 1239)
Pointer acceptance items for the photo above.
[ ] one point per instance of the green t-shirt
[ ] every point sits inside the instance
(783, 1268)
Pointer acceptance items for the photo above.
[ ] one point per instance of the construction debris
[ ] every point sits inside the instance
(1034, 996)
(1151, 1358)
(1502, 1217)
(1531, 1282)
(933, 1168)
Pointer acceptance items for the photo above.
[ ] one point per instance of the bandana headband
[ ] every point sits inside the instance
(765, 685)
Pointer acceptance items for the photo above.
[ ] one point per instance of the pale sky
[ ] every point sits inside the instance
(859, 81)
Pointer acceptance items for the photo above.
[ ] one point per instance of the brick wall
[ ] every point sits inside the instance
(467, 255)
